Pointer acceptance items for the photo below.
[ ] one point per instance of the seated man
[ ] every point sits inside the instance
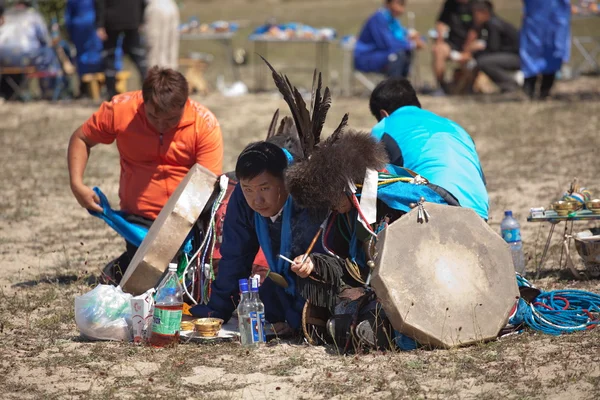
(261, 214)
(452, 28)
(25, 42)
(385, 46)
(432, 146)
(160, 135)
(497, 50)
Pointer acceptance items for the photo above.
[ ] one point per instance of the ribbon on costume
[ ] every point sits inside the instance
(264, 239)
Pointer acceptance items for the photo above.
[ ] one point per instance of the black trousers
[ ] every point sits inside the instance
(132, 46)
(500, 67)
(547, 82)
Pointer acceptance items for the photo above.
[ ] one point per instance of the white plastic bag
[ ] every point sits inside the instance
(104, 313)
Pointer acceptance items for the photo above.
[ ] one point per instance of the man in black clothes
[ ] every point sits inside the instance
(498, 46)
(452, 28)
(113, 18)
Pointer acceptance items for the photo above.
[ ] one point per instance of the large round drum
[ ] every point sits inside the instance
(446, 282)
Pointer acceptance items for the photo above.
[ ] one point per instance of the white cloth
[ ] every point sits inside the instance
(162, 33)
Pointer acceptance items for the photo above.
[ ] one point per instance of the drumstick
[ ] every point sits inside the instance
(312, 244)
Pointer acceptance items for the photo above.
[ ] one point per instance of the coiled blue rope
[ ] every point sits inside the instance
(558, 311)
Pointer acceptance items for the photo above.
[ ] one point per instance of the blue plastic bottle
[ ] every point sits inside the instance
(511, 233)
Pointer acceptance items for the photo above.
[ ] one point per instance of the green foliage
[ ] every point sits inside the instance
(52, 9)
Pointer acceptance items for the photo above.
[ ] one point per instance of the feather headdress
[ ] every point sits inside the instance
(320, 178)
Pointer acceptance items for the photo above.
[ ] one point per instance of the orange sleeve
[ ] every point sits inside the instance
(209, 147)
(99, 128)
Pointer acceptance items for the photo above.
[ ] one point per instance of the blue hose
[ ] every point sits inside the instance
(558, 311)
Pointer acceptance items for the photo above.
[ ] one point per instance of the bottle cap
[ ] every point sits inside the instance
(243, 285)
(172, 267)
(508, 213)
(254, 283)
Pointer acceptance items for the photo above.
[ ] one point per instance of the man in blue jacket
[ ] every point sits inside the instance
(385, 46)
(261, 213)
(436, 148)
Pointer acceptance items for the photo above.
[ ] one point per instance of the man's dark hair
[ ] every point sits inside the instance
(402, 2)
(261, 157)
(390, 95)
(165, 88)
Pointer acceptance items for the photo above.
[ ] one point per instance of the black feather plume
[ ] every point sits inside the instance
(273, 125)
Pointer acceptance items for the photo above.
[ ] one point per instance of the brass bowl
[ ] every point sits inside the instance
(186, 326)
(207, 327)
(574, 205)
(593, 206)
(561, 207)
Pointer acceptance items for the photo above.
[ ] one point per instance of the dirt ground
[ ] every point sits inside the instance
(50, 247)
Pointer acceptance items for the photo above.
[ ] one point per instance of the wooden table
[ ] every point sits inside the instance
(555, 219)
(226, 39)
(261, 47)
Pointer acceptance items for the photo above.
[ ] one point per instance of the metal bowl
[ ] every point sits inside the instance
(207, 327)
(561, 207)
(593, 206)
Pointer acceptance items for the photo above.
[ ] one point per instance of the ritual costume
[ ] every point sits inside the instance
(245, 231)
(384, 46)
(345, 166)
(545, 42)
(439, 150)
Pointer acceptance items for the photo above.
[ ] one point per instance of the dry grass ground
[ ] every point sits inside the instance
(49, 247)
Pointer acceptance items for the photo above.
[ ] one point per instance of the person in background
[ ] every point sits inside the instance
(113, 19)
(434, 147)
(80, 22)
(384, 45)
(162, 33)
(497, 48)
(452, 27)
(1, 12)
(545, 43)
(160, 135)
(25, 42)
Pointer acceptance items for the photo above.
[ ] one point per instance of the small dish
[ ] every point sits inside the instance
(207, 327)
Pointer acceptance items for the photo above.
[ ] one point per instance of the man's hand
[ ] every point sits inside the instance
(302, 270)
(101, 33)
(86, 197)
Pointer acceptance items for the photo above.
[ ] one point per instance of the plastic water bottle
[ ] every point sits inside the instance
(247, 320)
(258, 307)
(168, 309)
(511, 233)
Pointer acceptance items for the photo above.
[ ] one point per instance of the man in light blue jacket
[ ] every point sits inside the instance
(436, 148)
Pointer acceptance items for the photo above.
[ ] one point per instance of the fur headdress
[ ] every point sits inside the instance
(322, 180)
(320, 177)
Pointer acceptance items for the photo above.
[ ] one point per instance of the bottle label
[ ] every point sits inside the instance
(166, 322)
(262, 326)
(255, 327)
(511, 235)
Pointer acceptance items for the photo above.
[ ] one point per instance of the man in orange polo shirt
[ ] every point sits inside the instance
(160, 135)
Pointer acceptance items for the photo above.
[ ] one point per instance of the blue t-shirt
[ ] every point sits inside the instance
(437, 149)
